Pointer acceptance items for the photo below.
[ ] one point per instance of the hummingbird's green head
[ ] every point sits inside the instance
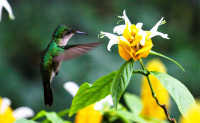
(63, 30)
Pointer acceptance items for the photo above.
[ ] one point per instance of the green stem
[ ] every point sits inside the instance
(146, 74)
(140, 60)
(152, 91)
(138, 71)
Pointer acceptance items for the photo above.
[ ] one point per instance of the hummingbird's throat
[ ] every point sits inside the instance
(65, 39)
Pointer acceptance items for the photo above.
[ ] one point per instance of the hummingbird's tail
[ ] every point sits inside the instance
(48, 96)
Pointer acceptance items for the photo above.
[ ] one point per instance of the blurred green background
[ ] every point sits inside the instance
(31, 31)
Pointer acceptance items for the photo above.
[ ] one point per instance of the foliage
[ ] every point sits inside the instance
(89, 94)
(177, 90)
(161, 55)
(134, 103)
(121, 80)
(122, 115)
(52, 117)
(24, 121)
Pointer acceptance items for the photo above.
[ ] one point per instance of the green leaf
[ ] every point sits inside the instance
(130, 116)
(63, 112)
(121, 80)
(134, 103)
(161, 55)
(177, 90)
(24, 121)
(39, 115)
(113, 116)
(53, 117)
(89, 94)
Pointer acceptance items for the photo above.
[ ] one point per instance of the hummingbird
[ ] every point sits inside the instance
(57, 51)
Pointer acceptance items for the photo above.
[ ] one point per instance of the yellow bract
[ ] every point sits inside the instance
(88, 115)
(133, 48)
(150, 106)
(193, 115)
(7, 116)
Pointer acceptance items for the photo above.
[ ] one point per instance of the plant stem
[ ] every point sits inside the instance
(138, 71)
(146, 74)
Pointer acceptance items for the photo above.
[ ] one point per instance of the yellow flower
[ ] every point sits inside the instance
(7, 115)
(150, 107)
(88, 115)
(192, 115)
(91, 113)
(133, 42)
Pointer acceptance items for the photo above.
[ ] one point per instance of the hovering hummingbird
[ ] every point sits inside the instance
(55, 53)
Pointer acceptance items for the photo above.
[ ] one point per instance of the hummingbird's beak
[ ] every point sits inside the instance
(79, 32)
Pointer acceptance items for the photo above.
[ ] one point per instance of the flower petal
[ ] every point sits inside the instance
(7, 6)
(146, 48)
(139, 25)
(127, 21)
(109, 35)
(138, 38)
(111, 43)
(113, 39)
(143, 34)
(154, 31)
(4, 104)
(1, 7)
(119, 29)
(23, 112)
(160, 34)
(71, 87)
(124, 50)
(123, 39)
(99, 105)
(155, 28)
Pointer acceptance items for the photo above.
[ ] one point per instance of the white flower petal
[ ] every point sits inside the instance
(113, 39)
(154, 31)
(139, 25)
(111, 43)
(109, 35)
(143, 34)
(119, 29)
(7, 6)
(23, 112)
(4, 104)
(1, 7)
(71, 87)
(160, 34)
(155, 28)
(127, 21)
(123, 39)
(99, 105)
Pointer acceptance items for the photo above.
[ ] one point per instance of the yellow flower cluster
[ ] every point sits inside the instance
(133, 41)
(132, 47)
(150, 106)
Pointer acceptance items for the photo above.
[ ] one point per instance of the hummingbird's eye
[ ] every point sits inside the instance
(67, 32)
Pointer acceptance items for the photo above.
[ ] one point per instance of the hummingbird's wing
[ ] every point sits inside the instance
(73, 51)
